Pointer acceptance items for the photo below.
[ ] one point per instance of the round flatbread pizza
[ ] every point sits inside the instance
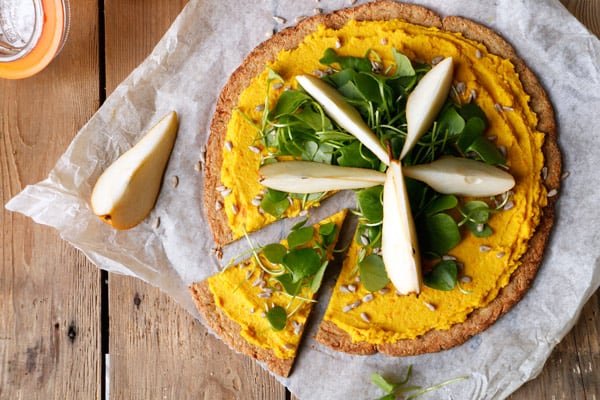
(480, 254)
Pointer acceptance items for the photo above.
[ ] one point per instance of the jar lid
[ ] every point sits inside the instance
(32, 32)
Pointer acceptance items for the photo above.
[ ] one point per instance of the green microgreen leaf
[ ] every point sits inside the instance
(372, 273)
(441, 203)
(476, 211)
(443, 276)
(300, 237)
(396, 388)
(330, 57)
(289, 286)
(356, 155)
(277, 317)
(487, 151)
(441, 234)
(369, 203)
(382, 383)
(302, 263)
(328, 232)
(275, 203)
(473, 129)
(299, 225)
(403, 64)
(274, 252)
(450, 119)
(317, 278)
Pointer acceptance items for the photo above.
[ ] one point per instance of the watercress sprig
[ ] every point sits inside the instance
(297, 126)
(394, 389)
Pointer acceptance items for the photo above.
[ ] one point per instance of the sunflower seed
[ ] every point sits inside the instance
(478, 53)
(466, 279)
(252, 310)
(300, 18)
(351, 288)
(198, 166)
(501, 254)
(509, 205)
(384, 41)
(276, 86)
(344, 289)
(288, 346)
(430, 306)
(544, 173)
(297, 327)
(279, 20)
(256, 202)
(461, 87)
(218, 205)
(351, 306)
(437, 60)
(265, 295)
(226, 192)
(552, 193)
(338, 43)
(257, 282)
(368, 297)
(317, 11)
(156, 223)
(259, 108)
(174, 181)
(254, 149)
(384, 291)
(365, 317)
(483, 248)
(234, 209)
(565, 175)
(228, 145)
(472, 95)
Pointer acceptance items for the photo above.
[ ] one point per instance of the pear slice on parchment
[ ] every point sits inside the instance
(127, 190)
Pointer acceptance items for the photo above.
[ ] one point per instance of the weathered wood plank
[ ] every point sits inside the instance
(49, 293)
(157, 350)
(586, 11)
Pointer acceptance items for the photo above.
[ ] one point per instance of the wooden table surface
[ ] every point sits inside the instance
(60, 315)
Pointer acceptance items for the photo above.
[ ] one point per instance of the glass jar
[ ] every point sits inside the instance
(32, 33)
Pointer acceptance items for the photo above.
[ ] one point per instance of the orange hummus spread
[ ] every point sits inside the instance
(244, 292)
(488, 80)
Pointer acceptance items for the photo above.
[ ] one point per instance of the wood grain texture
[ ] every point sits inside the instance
(49, 293)
(157, 350)
(587, 12)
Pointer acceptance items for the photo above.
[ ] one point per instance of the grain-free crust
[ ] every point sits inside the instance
(229, 331)
(329, 334)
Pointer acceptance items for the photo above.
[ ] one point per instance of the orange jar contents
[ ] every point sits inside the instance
(32, 33)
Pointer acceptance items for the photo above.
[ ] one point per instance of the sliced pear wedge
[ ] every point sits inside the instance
(343, 113)
(425, 102)
(314, 177)
(462, 176)
(399, 244)
(127, 190)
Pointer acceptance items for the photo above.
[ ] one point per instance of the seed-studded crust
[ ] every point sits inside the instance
(329, 334)
(229, 331)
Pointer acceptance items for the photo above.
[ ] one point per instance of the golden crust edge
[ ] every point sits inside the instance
(229, 331)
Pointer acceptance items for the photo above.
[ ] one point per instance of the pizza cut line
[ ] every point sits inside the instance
(468, 284)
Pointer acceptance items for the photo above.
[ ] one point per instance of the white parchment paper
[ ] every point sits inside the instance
(186, 72)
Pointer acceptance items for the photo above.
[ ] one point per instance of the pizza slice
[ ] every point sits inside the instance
(260, 306)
